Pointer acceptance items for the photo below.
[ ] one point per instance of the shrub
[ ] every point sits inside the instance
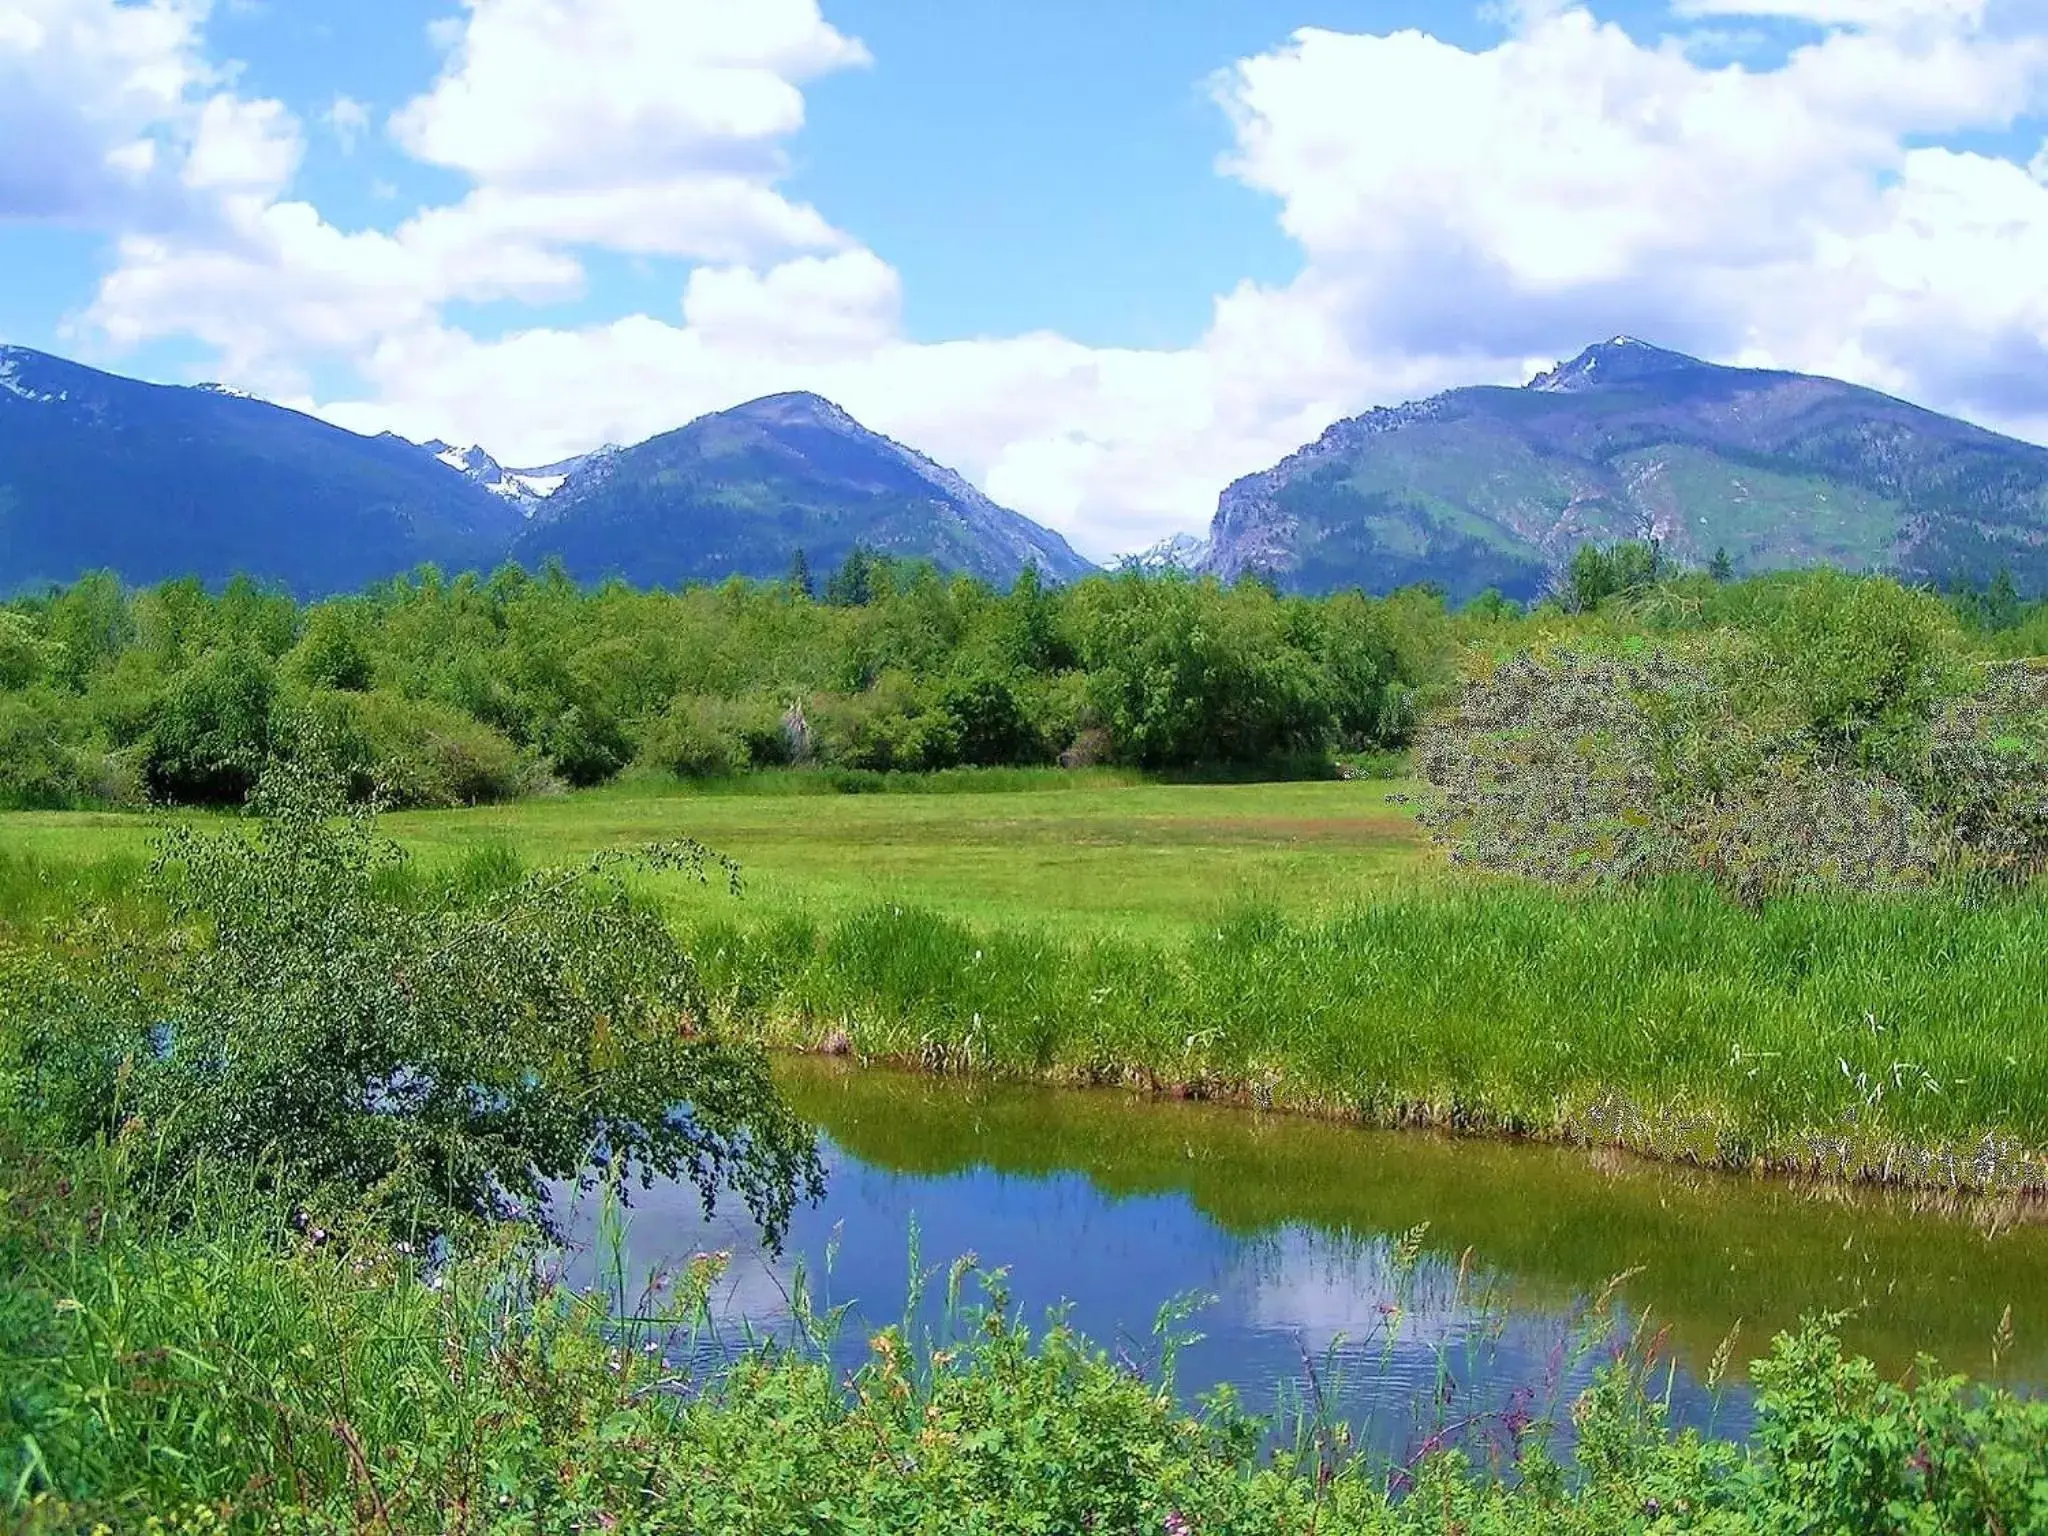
(703, 737)
(891, 726)
(989, 724)
(23, 656)
(439, 1058)
(334, 651)
(1840, 741)
(417, 753)
(212, 730)
(40, 768)
(585, 743)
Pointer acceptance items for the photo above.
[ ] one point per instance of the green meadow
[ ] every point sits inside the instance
(1299, 945)
(1095, 852)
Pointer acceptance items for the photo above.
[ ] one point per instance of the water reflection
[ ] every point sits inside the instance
(1113, 1206)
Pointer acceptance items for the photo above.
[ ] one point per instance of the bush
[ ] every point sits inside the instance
(23, 657)
(891, 726)
(416, 753)
(212, 730)
(1840, 741)
(585, 744)
(989, 725)
(443, 1058)
(334, 651)
(40, 769)
(702, 737)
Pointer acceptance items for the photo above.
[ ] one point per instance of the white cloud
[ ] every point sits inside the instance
(1459, 211)
(553, 93)
(1874, 14)
(348, 120)
(649, 127)
(841, 304)
(635, 123)
(243, 149)
(87, 90)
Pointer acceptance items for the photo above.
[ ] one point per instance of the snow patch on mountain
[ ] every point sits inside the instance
(1181, 552)
(12, 381)
(524, 488)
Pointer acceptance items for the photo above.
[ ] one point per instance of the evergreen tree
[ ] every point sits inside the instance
(2002, 602)
(800, 574)
(1722, 568)
(853, 584)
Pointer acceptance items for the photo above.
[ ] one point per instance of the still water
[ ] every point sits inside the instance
(1303, 1239)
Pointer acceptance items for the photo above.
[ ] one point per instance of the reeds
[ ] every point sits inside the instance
(1888, 1039)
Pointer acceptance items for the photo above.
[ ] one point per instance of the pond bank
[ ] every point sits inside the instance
(1890, 1042)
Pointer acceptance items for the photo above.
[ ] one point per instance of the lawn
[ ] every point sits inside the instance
(1099, 856)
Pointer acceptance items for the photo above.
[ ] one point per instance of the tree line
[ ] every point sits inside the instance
(447, 690)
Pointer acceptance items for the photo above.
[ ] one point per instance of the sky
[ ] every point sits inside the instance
(1102, 256)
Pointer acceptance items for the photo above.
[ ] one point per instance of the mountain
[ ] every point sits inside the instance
(1179, 552)
(523, 488)
(158, 481)
(1496, 487)
(739, 492)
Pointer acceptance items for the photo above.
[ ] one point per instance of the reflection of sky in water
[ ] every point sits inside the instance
(1290, 1307)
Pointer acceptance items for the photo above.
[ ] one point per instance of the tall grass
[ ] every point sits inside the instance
(1889, 1039)
(1897, 1039)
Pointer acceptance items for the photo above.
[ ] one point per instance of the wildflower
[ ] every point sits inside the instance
(1178, 1524)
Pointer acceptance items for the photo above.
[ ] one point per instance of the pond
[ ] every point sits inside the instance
(1403, 1280)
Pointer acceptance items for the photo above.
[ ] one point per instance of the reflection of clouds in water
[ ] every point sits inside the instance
(1325, 1286)
(1287, 1303)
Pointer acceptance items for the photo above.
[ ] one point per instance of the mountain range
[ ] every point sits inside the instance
(1473, 488)
(158, 481)
(1496, 487)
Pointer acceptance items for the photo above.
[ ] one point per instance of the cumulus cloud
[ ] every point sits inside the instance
(1462, 213)
(92, 93)
(243, 148)
(553, 93)
(641, 122)
(649, 127)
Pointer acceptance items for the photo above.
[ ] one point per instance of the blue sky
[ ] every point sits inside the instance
(1101, 256)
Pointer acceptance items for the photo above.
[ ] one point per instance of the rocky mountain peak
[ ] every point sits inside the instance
(1618, 361)
(794, 408)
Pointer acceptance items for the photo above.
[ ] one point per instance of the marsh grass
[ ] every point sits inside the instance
(1885, 1039)
(1893, 1039)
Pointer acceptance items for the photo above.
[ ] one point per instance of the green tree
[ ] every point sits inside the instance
(24, 658)
(1596, 573)
(853, 584)
(1721, 568)
(333, 652)
(212, 731)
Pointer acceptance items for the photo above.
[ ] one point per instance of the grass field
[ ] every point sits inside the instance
(1302, 945)
(1105, 856)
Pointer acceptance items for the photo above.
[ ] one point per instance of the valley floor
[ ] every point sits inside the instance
(1302, 945)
